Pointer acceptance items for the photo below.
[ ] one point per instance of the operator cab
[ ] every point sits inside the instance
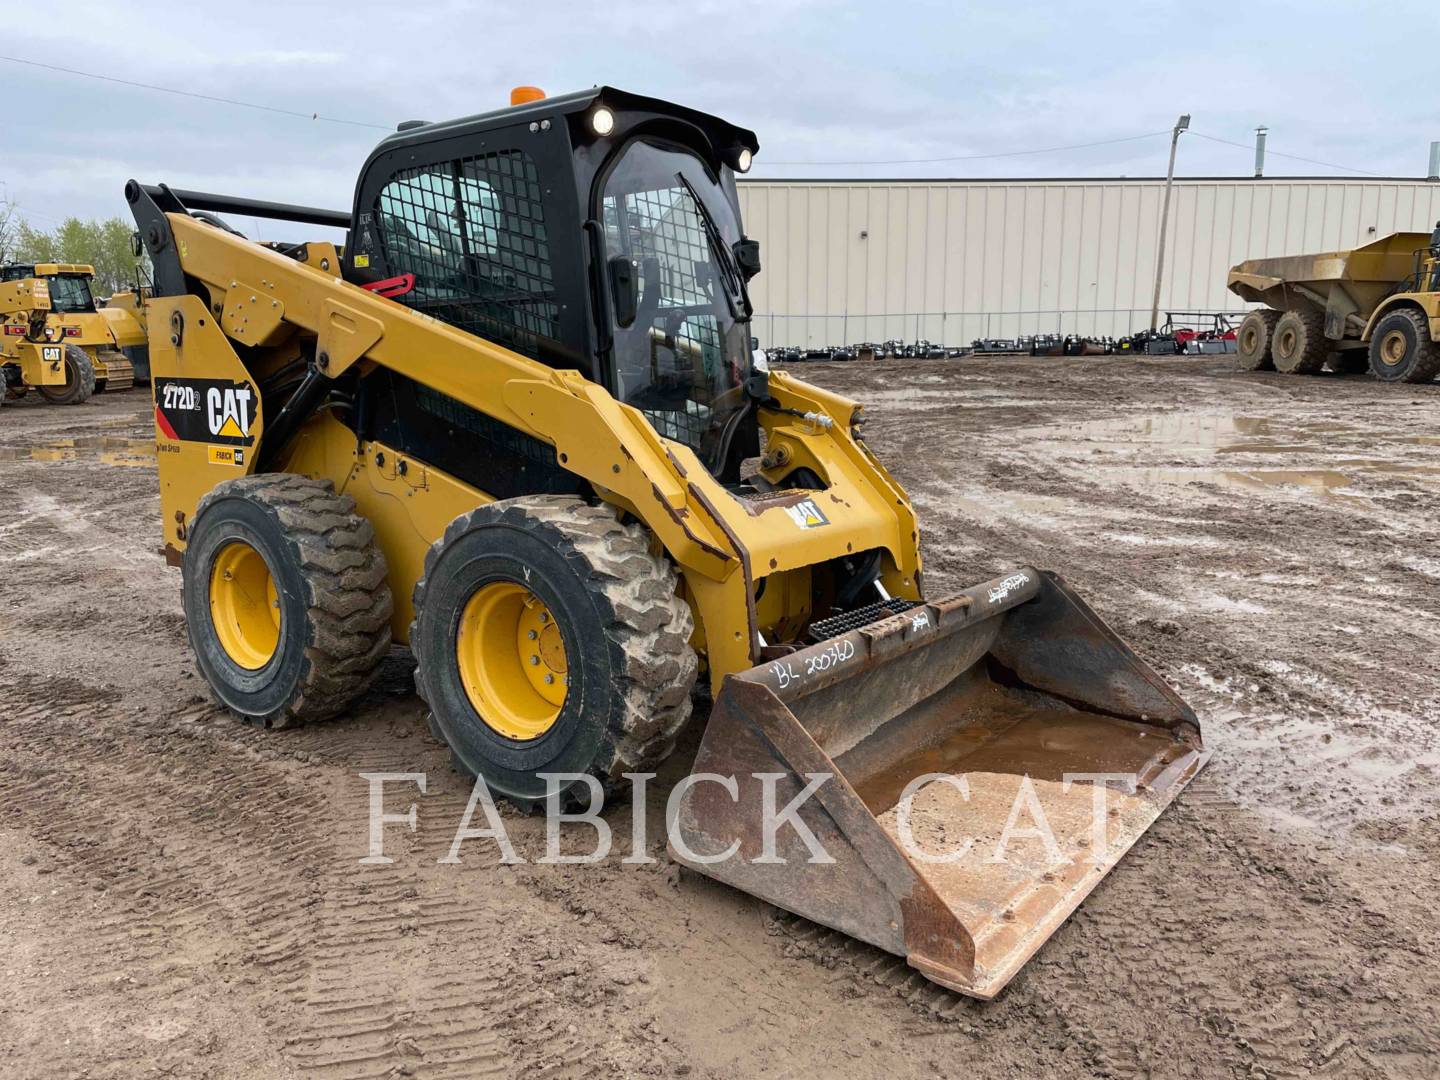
(69, 284)
(598, 231)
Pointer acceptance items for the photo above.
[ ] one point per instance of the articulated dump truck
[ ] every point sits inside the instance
(513, 423)
(1375, 307)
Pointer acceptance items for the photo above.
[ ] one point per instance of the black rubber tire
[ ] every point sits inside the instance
(334, 592)
(1252, 340)
(1299, 345)
(630, 683)
(79, 379)
(1421, 360)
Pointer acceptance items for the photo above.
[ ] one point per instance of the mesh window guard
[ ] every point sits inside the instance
(473, 233)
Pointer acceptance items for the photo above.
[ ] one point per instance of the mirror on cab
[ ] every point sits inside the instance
(624, 290)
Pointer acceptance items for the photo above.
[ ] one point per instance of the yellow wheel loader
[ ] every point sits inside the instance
(79, 322)
(513, 423)
(34, 351)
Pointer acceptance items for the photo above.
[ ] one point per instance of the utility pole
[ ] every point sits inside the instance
(1180, 125)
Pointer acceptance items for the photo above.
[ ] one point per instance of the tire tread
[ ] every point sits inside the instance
(349, 605)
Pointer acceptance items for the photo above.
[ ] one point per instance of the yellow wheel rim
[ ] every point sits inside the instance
(244, 606)
(512, 660)
(1392, 348)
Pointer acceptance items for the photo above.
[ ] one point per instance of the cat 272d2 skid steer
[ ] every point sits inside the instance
(513, 422)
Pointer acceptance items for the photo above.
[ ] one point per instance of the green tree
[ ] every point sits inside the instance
(9, 228)
(105, 245)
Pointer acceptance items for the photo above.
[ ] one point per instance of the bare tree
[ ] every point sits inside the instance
(9, 228)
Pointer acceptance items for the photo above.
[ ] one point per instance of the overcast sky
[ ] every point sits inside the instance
(817, 82)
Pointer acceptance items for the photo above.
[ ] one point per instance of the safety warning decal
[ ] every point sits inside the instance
(206, 410)
(807, 514)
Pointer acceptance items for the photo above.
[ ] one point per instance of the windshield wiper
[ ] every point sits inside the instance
(736, 295)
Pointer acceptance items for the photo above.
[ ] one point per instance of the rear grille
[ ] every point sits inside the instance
(846, 621)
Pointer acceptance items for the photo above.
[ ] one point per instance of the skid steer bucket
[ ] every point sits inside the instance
(986, 760)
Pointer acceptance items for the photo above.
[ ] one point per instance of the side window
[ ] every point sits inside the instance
(473, 233)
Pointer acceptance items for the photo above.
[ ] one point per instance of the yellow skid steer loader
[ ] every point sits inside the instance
(513, 423)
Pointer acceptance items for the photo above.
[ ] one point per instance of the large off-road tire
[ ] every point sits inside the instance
(79, 379)
(1401, 349)
(1299, 346)
(1252, 340)
(289, 550)
(551, 586)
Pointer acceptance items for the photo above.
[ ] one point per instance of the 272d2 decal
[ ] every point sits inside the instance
(218, 411)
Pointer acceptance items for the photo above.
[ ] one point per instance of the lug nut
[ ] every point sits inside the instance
(549, 679)
(534, 660)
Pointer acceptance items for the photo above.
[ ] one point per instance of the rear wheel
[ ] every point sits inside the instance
(1300, 346)
(1252, 340)
(79, 379)
(1401, 349)
(549, 638)
(286, 599)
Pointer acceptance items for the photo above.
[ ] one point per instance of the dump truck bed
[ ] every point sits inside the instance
(1365, 273)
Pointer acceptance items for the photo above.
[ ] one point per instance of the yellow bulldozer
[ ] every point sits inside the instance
(512, 422)
(48, 310)
(1376, 306)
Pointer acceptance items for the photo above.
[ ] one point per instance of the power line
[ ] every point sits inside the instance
(1292, 157)
(887, 161)
(192, 94)
(976, 157)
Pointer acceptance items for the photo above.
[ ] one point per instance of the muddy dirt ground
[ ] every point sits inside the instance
(180, 895)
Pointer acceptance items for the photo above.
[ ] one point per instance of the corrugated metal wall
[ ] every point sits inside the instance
(954, 260)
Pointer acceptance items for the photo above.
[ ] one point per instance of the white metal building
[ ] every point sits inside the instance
(953, 260)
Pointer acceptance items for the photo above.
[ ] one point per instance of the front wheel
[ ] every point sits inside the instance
(1401, 349)
(79, 379)
(549, 638)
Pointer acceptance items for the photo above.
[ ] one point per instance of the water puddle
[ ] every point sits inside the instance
(107, 449)
(1182, 431)
(1323, 480)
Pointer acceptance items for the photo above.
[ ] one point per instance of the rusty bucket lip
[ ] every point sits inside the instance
(987, 981)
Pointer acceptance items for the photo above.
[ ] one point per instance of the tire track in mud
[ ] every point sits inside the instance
(375, 976)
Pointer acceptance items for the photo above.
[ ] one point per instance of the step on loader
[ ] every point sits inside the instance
(512, 421)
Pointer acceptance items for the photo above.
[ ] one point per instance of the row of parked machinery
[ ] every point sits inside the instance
(894, 349)
(1184, 333)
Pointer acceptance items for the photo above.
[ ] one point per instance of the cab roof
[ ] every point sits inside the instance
(721, 133)
(51, 269)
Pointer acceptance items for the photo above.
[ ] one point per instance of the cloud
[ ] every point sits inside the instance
(816, 81)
